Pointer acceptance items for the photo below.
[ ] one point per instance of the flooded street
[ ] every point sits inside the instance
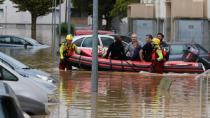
(120, 94)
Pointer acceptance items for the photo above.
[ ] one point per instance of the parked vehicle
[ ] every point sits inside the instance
(178, 49)
(26, 71)
(9, 104)
(86, 41)
(19, 41)
(90, 32)
(33, 98)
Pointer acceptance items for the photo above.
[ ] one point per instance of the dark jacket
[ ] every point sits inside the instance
(117, 51)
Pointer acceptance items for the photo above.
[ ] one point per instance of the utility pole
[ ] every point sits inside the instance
(59, 40)
(69, 16)
(94, 74)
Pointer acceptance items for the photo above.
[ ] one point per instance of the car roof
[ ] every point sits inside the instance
(13, 62)
(87, 31)
(190, 43)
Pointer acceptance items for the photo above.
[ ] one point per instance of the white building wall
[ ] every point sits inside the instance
(10, 15)
(208, 9)
(160, 9)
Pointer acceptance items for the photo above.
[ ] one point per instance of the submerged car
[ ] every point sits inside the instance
(33, 98)
(26, 71)
(19, 41)
(178, 49)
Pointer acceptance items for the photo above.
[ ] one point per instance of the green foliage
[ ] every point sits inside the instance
(35, 7)
(1, 1)
(64, 28)
(120, 7)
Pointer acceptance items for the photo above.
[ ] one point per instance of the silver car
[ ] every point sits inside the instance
(26, 71)
(19, 41)
(33, 98)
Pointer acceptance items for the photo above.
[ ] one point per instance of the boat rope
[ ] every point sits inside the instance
(110, 61)
(80, 56)
(122, 65)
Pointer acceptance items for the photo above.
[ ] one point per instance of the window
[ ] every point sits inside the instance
(177, 49)
(5, 40)
(78, 42)
(6, 75)
(106, 41)
(18, 41)
(88, 42)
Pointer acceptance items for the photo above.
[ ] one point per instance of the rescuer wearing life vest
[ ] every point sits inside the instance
(67, 49)
(157, 56)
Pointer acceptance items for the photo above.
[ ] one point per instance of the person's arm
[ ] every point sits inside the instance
(61, 50)
(77, 50)
(160, 55)
(141, 55)
(108, 51)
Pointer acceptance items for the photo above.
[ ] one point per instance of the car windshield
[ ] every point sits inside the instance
(13, 63)
(34, 42)
(177, 49)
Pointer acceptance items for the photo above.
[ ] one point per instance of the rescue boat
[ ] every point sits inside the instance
(85, 61)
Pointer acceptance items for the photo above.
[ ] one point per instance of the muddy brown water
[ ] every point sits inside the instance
(120, 94)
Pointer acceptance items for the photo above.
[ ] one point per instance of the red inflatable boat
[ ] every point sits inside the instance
(85, 61)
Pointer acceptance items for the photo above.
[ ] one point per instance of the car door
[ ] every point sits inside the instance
(106, 41)
(87, 42)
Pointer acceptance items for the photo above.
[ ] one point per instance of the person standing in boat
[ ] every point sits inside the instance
(164, 45)
(66, 50)
(133, 48)
(146, 51)
(157, 56)
(116, 49)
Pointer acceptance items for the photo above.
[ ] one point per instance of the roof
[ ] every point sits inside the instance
(88, 32)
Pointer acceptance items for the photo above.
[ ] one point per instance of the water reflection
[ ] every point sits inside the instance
(121, 94)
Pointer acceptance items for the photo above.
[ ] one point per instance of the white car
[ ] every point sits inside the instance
(33, 98)
(104, 41)
(86, 41)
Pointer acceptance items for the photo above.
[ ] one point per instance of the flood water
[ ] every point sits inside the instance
(120, 94)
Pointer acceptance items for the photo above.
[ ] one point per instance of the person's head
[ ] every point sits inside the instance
(160, 36)
(69, 38)
(155, 42)
(118, 38)
(149, 38)
(133, 37)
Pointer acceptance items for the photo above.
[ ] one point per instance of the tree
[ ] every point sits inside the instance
(1, 1)
(36, 8)
(120, 7)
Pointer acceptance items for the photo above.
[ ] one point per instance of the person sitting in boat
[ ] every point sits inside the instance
(66, 50)
(157, 56)
(116, 49)
(133, 48)
(164, 45)
(146, 51)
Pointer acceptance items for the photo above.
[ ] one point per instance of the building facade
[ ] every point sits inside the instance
(179, 20)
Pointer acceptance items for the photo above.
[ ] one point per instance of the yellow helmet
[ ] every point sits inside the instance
(156, 41)
(69, 37)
